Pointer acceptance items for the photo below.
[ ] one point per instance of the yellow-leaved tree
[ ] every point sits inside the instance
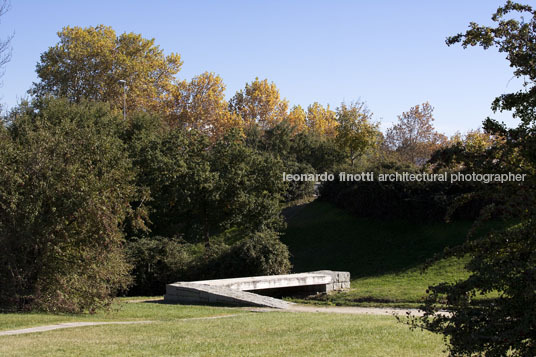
(322, 121)
(200, 104)
(90, 63)
(297, 118)
(259, 103)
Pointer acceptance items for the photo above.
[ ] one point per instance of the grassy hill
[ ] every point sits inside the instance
(385, 258)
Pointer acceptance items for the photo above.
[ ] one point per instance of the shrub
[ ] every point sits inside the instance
(65, 187)
(261, 254)
(159, 261)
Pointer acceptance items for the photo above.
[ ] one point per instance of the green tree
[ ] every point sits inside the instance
(355, 131)
(65, 187)
(200, 189)
(90, 62)
(503, 263)
(206, 200)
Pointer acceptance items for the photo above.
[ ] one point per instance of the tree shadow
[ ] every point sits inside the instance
(322, 236)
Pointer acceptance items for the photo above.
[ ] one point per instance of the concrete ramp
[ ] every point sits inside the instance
(193, 293)
(240, 291)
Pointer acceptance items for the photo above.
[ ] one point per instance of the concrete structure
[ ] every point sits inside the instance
(239, 291)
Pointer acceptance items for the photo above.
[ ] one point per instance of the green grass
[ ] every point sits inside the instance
(246, 334)
(385, 258)
(120, 311)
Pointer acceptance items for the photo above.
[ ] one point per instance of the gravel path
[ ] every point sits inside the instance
(66, 325)
(81, 324)
(344, 310)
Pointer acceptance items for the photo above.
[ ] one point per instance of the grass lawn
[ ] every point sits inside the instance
(120, 311)
(246, 334)
(385, 258)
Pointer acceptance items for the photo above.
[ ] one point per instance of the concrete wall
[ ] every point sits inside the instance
(229, 291)
(340, 280)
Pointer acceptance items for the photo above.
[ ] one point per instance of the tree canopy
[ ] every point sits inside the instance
(89, 63)
(355, 131)
(65, 187)
(259, 103)
(492, 312)
(414, 137)
(200, 104)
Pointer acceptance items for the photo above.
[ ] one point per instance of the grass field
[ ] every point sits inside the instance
(385, 258)
(244, 334)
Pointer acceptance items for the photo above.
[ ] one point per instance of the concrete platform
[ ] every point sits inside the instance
(239, 291)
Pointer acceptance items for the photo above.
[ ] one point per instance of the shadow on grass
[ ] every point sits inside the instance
(322, 236)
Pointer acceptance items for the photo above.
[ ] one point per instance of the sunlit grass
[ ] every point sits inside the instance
(120, 311)
(246, 334)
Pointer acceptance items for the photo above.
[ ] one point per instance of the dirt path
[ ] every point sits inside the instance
(82, 324)
(66, 325)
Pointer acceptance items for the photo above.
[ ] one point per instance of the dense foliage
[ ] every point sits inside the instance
(89, 63)
(65, 187)
(190, 185)
(159, 260)
(502, 265)
(200, 189)
(415, 201)
(85, 194)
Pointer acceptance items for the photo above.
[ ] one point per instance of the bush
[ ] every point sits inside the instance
(297, 190)
(502, 264)
(65, 187)
(261, 254)
(159, 261)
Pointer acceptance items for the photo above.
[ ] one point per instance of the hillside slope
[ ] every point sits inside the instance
(385, 258)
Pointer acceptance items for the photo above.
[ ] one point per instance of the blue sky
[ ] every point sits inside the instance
(390, 54)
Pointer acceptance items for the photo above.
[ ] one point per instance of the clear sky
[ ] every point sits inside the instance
(390, 54)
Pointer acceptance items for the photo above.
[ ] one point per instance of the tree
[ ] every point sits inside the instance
(297, 118)
(474, 140)
(504, 262)
(466, 152)
(5, 49)
(414, 138)
(321, 121)
(65, 187)
(199, 188)
(355, 131)
(249, 186)
(201, 105)
(90, 62)
(259, 103)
